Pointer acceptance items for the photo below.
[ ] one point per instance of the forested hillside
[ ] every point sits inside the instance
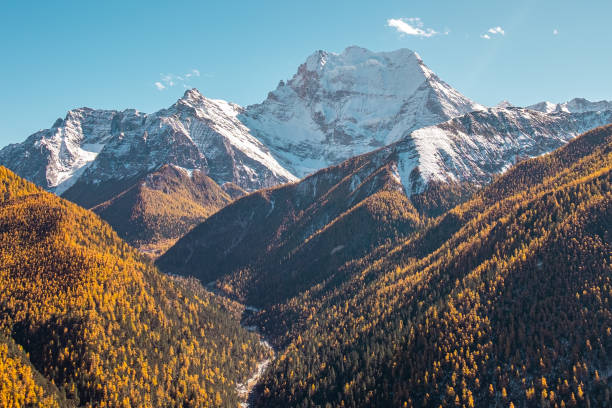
(86, 320)
(162, 206)
(294, 236)
(504, 300)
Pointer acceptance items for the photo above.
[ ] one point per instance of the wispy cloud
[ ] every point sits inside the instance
(412, 26)
(170, 80)
(555, 31)
(493, 31)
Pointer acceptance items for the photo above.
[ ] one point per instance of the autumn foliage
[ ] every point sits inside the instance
(86, 320)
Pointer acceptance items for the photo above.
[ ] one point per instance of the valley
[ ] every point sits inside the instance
(458, 283)
(364, 236)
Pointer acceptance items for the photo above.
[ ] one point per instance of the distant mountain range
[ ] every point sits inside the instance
(576, 105)
(335, 107)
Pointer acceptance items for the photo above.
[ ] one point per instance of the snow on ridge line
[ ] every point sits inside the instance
(335, 107)
(188, 172)
(294, 136)
(98, 145)
(576, 105)
(477, 145)
(222, 117)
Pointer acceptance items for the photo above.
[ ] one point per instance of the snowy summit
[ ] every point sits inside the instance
(340, 105)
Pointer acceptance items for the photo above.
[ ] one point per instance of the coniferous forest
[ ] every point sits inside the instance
(502, 300)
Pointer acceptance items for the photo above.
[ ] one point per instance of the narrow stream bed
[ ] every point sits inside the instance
(246, 390)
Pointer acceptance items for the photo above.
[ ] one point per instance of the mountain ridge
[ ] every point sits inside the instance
(387, 105)
(489, 304)
(579, 105)
(162, 206)
(337, 105)
(468, 152)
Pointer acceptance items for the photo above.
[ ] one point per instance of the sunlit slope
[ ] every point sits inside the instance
(162, 206)
(20, 383)
(100, 322)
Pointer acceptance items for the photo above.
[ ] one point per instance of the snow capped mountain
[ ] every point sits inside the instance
(194, 133)
(340, 105)
(477, 145)
(94, 146)
(54, 158)
(335, 107)
(576, 105)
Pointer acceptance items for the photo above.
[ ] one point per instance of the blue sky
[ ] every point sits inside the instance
(110, 54)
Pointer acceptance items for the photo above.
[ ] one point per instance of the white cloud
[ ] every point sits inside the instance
(497, 30)
(493, 31)
(555, 31)
(411, 26)
(170, 80)
(193, 73)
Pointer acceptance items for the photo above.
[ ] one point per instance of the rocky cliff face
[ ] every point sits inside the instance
(54, 158)
(340, 105)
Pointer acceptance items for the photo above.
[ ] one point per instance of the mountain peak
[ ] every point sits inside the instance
(339, 105)
(504, 104)
(355, 48)
(356, 51)
(357, 70)
(355, 56)
(192, 95)
(196, 103)
(361, 52)
(316, 60)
